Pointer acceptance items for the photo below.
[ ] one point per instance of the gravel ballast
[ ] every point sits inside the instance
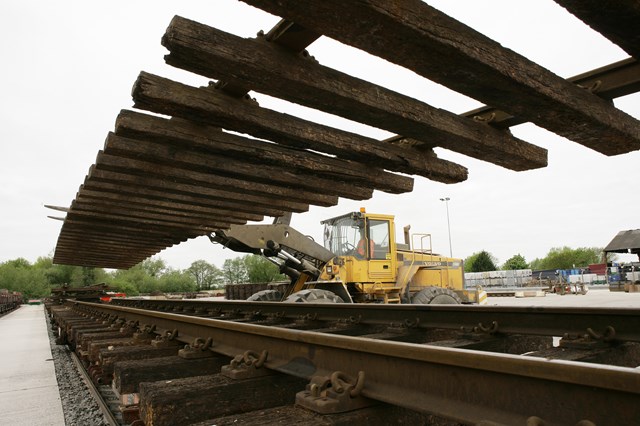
(78, 405)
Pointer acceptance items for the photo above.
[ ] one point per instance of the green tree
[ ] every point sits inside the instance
(173, 281)
(480, 262)
(205, 275)
(235, 271)
(20, 275)
(260, 270)
(568, 258)
(154, 266)
(134, 280)
(516, 262)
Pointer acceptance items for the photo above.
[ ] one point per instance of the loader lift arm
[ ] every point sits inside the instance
(297, 255)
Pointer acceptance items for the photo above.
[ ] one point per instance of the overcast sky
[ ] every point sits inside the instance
(68, 68)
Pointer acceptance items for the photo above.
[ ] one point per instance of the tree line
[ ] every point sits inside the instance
(556, 258)
(35, 280)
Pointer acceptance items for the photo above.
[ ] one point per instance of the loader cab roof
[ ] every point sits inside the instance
(355, 216)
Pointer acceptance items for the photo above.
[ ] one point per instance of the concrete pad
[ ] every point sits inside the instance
(29, 393)
(595, 298)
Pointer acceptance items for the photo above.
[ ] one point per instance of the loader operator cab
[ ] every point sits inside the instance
(356, 235)
(366, 240)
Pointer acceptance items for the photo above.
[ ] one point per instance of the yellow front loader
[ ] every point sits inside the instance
(360, 262)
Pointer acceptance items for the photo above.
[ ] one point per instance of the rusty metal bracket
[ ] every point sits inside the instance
(117, 324)
(247, 365)
(129, 326)
(337, 393)
(167, 340)
(198, 349)
(590, 340)
(306, 319)
(145, 333)
(351, 320)
(480, 330)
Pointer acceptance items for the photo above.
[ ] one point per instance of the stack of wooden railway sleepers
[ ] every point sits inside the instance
(9, 300)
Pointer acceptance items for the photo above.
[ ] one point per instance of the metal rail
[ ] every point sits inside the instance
(463, 385)
(95, 393)
(540, 321)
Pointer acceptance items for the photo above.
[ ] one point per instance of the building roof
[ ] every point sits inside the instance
(625, 241)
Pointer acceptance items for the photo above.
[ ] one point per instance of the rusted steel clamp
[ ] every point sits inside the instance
(590, 340)
(145, 333)
(480, 330)
(129, 327)
(198, 349)
(247, 365)
(167, 340)
(336, 393)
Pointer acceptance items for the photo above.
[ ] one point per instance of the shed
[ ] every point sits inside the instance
(625, 242)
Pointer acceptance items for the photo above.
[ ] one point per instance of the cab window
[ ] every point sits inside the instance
(378, 233)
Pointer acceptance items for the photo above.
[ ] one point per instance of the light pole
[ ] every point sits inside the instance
(446, 202)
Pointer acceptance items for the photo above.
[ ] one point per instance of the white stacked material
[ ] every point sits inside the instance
(583, 278)
(506, 279)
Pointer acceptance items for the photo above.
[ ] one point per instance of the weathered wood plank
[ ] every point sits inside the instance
(197, 136)
(163, 404)
(213, 107)
(268, 69)
(163, 171)
(287, 34)
(152, 233)
(612, 81)
(129, 374)
(143, 210)
(381, 414)
(159, 218)
(113, 235)
(108, 357)
(87, 250)
(175, 206)
(152, 223)
(104, 180)
(191, 209)
(98, 241)
(417, 36)
(154, 151)
(618, 20)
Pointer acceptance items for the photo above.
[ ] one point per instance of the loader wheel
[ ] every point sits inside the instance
(436, 296)
(314, 295)
(266, 296)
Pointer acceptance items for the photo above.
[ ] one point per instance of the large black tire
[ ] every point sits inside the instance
(314, 295)
(436, 296)
(266, 296)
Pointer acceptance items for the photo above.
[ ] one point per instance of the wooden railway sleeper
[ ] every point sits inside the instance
(337, 393)
(198, 349)
(247, 365)
(590, 340)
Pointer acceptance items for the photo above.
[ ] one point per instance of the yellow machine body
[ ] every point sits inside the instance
(373, 267)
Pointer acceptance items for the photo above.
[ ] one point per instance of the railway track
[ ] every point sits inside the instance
(188, 362)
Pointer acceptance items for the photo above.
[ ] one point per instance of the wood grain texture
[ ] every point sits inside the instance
(417, 36)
